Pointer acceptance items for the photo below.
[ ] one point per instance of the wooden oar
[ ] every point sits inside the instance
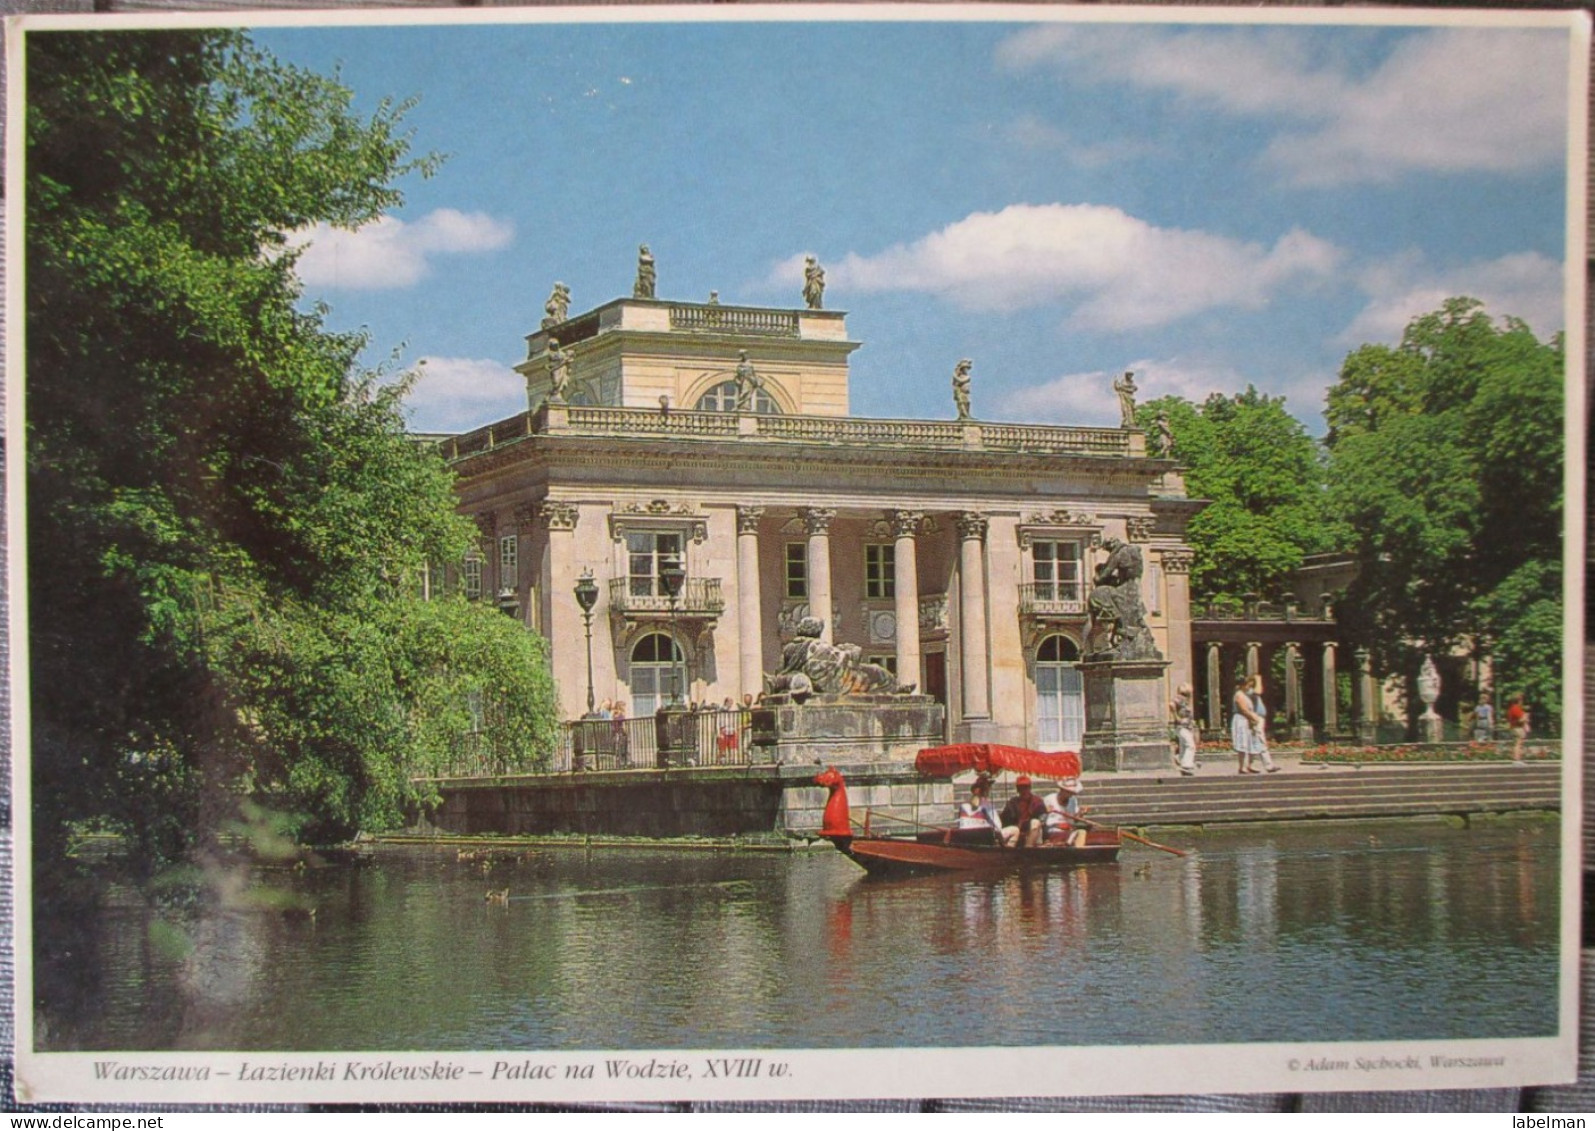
(1127, 835)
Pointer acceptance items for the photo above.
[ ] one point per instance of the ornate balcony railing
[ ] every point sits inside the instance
(1041, 438)
(860, 430)
(632, 421)
(712, 318)
(1289, 611)
(700, 597)
(1050, 599)
(943, 435)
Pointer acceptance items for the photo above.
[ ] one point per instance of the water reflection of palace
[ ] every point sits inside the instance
(1326, 932)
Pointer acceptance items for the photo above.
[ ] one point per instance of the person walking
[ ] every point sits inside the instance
(1518, 722)
(1184, 730)
(1244, 725)
(1483, 718)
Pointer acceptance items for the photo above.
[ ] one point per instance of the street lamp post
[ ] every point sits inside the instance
(672, 722)
(673, 577)
(587, 597)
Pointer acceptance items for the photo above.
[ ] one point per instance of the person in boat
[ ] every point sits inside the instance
(978, 821)
(1062, 809)
(1024, 817)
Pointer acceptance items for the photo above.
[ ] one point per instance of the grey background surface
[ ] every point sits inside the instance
(1577, 1097)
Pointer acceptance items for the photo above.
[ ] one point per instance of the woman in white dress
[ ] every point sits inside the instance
(1245, 726)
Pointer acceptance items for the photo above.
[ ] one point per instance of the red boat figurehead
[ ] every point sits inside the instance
(837, 824)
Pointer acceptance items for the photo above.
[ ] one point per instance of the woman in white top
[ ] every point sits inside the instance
(1245, 726)
(979, 812)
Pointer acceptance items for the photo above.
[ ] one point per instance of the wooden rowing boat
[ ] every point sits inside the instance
(926, 852)
(964, 850)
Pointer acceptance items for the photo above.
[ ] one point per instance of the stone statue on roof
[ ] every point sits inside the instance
(645, 274)
(813, 283)
(558, 371)
(961, 388)
(1125, 387)
(557, 308)
(1165, 435)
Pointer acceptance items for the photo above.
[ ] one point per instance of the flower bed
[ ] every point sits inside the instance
(1430, 752)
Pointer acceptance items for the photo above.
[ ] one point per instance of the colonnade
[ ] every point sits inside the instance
(974, 643)
(1304, 708)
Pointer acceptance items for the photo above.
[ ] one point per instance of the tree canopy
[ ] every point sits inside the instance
(1264, 477)
(1446, 465)
(225, 514)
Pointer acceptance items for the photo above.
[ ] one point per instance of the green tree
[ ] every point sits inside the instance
(1446, 463)
(224, 513)
(1264, 478)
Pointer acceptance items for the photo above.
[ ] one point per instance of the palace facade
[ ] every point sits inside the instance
(957, 553)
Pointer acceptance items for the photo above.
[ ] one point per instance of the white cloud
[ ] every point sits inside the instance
(1453, 100)
(1115, 271)
(389, 252)
(1033, 133)
(1527, 285)
(455, 394)
(1089, 399)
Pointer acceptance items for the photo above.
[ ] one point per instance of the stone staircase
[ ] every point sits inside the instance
(1313, 792)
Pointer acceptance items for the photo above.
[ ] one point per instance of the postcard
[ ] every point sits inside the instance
(795, 552)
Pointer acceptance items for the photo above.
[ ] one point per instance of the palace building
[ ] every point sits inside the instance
(665, 438)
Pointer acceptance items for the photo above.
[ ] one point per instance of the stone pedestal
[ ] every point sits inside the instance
(851, 728)
(675, 736)
(1126, 715)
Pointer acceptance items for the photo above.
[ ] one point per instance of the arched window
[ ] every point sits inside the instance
(723, 398)
(655, 662)
(1060, 695)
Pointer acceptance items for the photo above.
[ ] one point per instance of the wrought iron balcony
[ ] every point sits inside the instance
(1051, 599)
(700, 598)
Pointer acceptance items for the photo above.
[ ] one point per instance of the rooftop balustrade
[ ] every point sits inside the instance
(743, 428)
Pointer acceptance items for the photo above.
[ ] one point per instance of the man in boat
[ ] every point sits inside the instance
(1024, 817)
(1062, 809)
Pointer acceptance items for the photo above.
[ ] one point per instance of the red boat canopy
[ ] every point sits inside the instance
(945, 761)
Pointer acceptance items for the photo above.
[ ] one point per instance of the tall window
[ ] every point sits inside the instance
(1060, 695)
(471, 575)
(723, 398)
(509, 573)
(1056, 570)
(655, 663)
(880, 571)
(648, 553)
(797, 569)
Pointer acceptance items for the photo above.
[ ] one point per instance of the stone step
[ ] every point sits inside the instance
(1315, 794)
(1360, 789)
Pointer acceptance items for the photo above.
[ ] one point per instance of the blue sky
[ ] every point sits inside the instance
(1212, 206)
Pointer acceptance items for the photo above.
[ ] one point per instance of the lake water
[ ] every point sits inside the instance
(1401, 930)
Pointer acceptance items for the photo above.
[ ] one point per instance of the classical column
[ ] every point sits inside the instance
(974, 654)
(817, 524)
(1254, 652)
(565, 635)
(750, 639)
(1292, 681)
(1367, 706)
(1177, 614)
(1215, 686)
(905, 574)
(1331, 692)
